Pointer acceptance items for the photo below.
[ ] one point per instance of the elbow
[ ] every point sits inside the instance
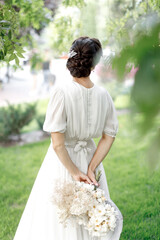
(58, 147)
(57, 141)
(108, 137)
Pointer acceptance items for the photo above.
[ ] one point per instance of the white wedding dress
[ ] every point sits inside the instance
(82, 114)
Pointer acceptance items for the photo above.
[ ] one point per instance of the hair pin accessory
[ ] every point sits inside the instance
(72, 54)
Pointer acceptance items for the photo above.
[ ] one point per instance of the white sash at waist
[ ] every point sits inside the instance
(87, 145)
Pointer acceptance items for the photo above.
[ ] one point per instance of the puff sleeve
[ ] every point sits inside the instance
(111, 122)
(55, 119)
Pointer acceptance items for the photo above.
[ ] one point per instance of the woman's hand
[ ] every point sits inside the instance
(92, 176)
(80, 176)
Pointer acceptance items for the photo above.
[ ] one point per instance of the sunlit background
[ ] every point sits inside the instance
(35, 38)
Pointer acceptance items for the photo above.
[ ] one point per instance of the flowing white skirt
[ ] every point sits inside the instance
(40, 220)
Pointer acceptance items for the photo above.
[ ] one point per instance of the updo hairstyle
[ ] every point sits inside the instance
(88, 53)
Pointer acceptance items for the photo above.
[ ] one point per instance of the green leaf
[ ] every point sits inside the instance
(16, 60)
(12, 57)
(20, 55)
(10, 34)
(19, 49)
(1, 55)
(10, 51)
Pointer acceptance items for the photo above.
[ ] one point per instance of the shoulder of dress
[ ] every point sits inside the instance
(102, 90)
(57, 90)
(105, 93)
(62, 89)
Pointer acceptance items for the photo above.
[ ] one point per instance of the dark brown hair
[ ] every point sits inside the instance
(89, 51)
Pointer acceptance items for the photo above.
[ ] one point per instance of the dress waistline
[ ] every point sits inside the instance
(86, 145)
(78, 145)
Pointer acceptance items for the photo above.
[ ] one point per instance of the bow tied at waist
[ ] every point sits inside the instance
(82, 145)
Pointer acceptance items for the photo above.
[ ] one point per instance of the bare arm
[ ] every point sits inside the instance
(102, 150)
(62, 153)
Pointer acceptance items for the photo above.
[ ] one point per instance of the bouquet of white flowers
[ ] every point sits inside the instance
(86, 204)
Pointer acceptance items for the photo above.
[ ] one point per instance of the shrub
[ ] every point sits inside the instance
(40, 120)
(14, 117)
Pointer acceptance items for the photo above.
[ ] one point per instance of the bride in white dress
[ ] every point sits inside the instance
(77, 112)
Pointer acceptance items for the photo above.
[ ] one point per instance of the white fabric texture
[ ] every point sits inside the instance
(81, 114)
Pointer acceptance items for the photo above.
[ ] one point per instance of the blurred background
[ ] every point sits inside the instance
(35, 38)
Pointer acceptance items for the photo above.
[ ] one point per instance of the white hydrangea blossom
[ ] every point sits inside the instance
(85, 204)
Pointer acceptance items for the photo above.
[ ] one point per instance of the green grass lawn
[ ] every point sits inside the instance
(133, 187)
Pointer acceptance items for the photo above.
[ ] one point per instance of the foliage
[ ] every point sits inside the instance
(88, 14)
(13, 118)
(21, 20)
(17, 20)
(134, 35)
(64, 29)
(78, 3)
(128, 19)
(133, 188)
(40, 111)
(9, 30)
(73, 21)
(145, 97)
(118, 8)
(36, 61)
